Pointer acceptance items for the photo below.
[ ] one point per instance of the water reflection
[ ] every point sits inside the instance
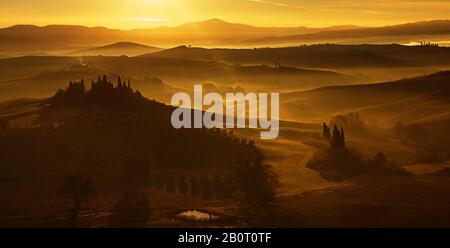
(197, 215)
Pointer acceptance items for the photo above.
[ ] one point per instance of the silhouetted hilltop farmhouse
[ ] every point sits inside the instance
(111, 129)
(101, 93)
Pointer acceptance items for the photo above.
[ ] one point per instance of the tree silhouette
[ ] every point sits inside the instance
(194, 185)
(182, 185)
(342, 141)
(256, 181)
(119, 82)
(170, 184)
(4, 124)
(380, 158)
(79, 188)
(101, 93)
(353, 121)
(326, 133)
(131, 210)
(217, 186)
(338, 139)
(159, 180)
(416, 133)
(135, 171)
(205, 186)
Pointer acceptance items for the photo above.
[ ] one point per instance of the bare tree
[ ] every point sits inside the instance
(79, 188)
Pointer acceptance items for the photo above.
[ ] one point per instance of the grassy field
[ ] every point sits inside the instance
(304, 197)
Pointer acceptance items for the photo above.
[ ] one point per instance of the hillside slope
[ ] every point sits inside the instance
(117, 49)
(407, 100)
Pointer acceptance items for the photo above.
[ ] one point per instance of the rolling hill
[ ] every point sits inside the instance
(316, 56)
(15, 72)
(23, 67)
(184, 72)
(408, 100)
(45, 83)
(116, 49)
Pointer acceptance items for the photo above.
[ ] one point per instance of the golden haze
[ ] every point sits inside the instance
(132, 14)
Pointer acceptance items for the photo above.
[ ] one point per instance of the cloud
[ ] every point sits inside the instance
(145, 19)
(269, 2)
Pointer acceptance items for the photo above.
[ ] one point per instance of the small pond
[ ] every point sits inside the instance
(197, 215)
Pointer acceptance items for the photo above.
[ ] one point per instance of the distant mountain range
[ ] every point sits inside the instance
(60, 39)
(421, 29)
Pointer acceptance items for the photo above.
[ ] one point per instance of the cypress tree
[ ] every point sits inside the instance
(119, 83)
(326, 132)
(83, 87)
(336, 137)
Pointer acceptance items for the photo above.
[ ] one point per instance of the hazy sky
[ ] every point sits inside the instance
(129, 14)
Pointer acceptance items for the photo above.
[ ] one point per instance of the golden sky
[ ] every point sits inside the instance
(130, 14)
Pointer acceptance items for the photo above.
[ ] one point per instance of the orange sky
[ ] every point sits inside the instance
(129, 14)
